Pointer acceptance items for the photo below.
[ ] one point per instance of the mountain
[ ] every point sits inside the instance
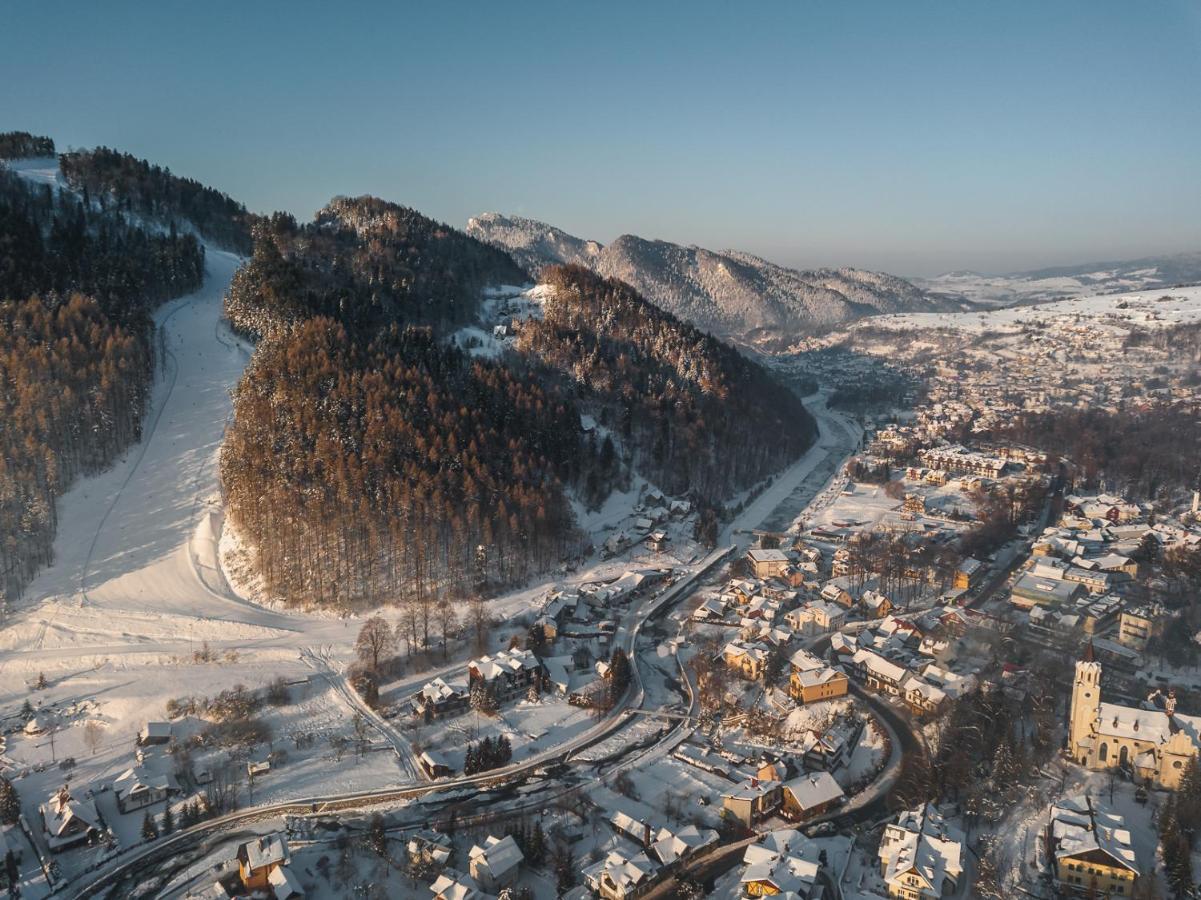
(1066, 282)
(730, 293)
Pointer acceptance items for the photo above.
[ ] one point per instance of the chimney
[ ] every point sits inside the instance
(646, 834)
(1169, 705)
(754, 782)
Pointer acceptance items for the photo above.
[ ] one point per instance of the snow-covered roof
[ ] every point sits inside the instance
(498, 856)
(1078, 827)
(267, 850)
(814, 789)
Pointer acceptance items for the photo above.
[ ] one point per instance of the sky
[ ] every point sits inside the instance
(913, 137)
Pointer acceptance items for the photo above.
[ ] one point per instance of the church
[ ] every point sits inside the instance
(1154, 744)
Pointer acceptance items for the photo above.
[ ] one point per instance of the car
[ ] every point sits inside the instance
(821, 829)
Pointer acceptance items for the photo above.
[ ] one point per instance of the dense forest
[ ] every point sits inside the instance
(688, 411)
(358, 468)
(135, 187)
(75, 385)
(367, 264)
(51, 242)
(77, 284)
(23, 145)
(1139, 453)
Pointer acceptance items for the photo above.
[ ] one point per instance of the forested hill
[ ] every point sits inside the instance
(77, 284)
(692, 413)
(368, 456)
(137, 187)
(368, 264)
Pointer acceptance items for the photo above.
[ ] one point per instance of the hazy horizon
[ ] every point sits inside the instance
(913, 140)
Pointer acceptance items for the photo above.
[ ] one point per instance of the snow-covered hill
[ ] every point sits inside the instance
(730, 293)
(1065, 282)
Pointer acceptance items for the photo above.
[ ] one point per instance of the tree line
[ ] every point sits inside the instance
(1139, 453)
(54, 242)
(136, 187)
(23, 145)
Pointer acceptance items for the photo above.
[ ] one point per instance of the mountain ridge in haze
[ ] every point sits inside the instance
(1065, 282)
(729, 293)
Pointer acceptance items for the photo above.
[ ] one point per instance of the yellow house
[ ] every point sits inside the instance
(1092, 850)
(748, 660)
(817, 684)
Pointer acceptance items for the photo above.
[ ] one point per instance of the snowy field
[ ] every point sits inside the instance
(1146, 308)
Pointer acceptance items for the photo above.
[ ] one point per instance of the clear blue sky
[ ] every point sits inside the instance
(905, 135)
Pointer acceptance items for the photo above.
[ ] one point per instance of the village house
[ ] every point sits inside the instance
(748, 660)
(816, 617)
(1139, 625)
(441, 698)
(137, 788)
(508, 673)
(259, 858)
(782, 863)
(496, 864)
(619, 876)
(68, 822)
(969, 573)
(673, 848)
(812, 680)
(921, 855)
(767, 562)
(1091, 850)
(452, 884)
(810, 795)
(753, 800)
(154, 733)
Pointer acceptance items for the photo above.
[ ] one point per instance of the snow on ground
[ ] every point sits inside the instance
(1144, 308)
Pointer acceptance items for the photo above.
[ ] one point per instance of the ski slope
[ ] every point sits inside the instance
(135, 565)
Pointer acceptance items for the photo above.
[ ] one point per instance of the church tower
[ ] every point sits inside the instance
(1086, 704)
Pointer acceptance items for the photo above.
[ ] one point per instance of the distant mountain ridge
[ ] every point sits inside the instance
(1066, 282)
(729, 293)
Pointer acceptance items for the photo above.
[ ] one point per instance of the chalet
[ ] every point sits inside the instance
(879, 674)
(429, 848)
(508, 673)
(922, 697)
(782, 863)
(441, 698)
(767, 562)
(753, 800)
(68, 822)
(835, 593)
(636, 830)
(618, 876)
(496, 864)
(258, 858)
(811, 795)
(875, 604)
(284, 885)
(921, 855)
(137, 788)
(656, 541)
